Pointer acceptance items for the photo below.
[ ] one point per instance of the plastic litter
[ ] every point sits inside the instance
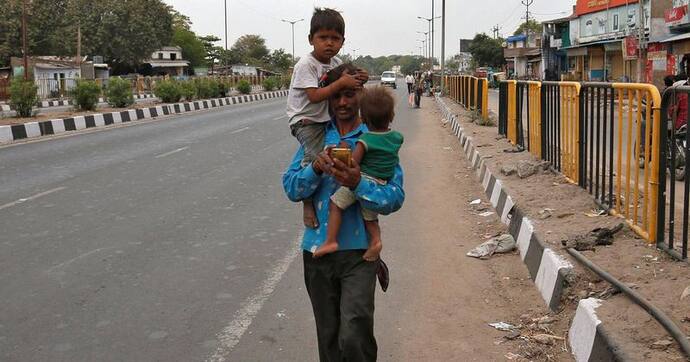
(503, 326)
(501, 244)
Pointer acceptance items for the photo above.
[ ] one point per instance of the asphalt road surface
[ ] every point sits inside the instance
(171, 240)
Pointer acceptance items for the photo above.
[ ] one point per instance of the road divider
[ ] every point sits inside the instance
(12, 133)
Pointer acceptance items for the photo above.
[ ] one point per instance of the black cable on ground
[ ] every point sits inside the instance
(660, 316)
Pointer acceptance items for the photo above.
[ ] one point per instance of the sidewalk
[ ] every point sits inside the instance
(630, 259)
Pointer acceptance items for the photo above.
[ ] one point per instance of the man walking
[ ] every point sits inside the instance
(409, 79)
(341, 285)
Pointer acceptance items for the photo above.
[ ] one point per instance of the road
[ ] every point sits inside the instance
(172, 240)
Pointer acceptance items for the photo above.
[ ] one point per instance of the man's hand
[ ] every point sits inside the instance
(323, 162)
(346, 176)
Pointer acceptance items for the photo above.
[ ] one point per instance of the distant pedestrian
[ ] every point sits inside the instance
(410, 81)
(307, 103)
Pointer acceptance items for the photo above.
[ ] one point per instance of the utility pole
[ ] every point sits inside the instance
(527, 3)
(79, 48)
(495, 31)
(225, 2)
(292, 23)
(24, 45)
(432, 35)
(640, 42)
(443, 45)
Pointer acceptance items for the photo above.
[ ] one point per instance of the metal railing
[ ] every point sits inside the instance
(579, 130)
(470, 92)
(673, 166)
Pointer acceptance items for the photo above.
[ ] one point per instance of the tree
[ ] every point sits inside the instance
(453, 63)
(193, 49)
(279, 60)
(251, 49)
(487, 51)
(211, 50)
(532, 26)
(124, 32)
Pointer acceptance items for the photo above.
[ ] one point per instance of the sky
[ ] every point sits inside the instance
(372, 27)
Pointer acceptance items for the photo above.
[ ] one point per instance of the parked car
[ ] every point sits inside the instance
(388, 78)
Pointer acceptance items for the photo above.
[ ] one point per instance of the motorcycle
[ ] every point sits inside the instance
(676, 145)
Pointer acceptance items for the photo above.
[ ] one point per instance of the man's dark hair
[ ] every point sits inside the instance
(337, 72)
(669, 80)
(377, 107)
(327, 19)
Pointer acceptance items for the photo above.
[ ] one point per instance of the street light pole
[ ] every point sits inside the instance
(226, 23)
(430, 32)
(443, 45)
(24, 45)
(292, 23)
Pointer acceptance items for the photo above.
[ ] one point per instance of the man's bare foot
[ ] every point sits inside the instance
(372, 254)
(326, 248)
(309, 214)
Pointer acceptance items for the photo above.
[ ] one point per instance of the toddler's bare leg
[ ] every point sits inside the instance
(309, 214)
(375, 244)
(335, 218)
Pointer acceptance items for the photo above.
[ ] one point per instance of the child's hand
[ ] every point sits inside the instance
(350, 81)
(362, 75)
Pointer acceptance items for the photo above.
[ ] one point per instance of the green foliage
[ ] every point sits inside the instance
(85, 94)
(487, 51)
(207, 88)
(223, 89)
(169, 91)
(192, 48)
(532, 26)
(270, 83)
(187, 90)
(23, 96)
(251, 49)
(279, 61)
(286, 79)
(119, 92)
(244, 87)
(53, 24)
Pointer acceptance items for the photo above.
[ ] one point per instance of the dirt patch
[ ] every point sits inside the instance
(561, 210)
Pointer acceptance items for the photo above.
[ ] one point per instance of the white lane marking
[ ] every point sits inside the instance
(34, 197)
(77, 258)
(279, 118)
(231, 335)
(239, 130)
(172, 152)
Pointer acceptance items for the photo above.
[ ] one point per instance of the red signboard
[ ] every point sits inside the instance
(676, 16)
(591, 6)
(630, 47)
(670, 65)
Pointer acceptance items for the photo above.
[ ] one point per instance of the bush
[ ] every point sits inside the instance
(119, 93)
(223, 89)
(188, 90)
(244, 87)
(286, 79)
(207, 88)
(169, 91)
(270, 84)
(86, 94)
(23, 96)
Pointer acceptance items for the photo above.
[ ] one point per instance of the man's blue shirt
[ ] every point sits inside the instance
(301, 183)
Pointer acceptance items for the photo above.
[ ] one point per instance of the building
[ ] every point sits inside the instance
(675, 48)
(554, 60)
(464, 62)
(523, 55)
(56, 76)
(609, 39)
(168, 61)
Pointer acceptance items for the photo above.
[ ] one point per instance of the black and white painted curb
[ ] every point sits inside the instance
(9, 134)
(588, 339)
(548, 269)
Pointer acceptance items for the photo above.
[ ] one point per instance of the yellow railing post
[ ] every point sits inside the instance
(512, 112)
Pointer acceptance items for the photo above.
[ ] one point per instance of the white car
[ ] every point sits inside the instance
(388, 78)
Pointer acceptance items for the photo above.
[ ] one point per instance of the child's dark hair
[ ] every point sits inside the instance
(337, 72)
(377, 107)
(327, 19)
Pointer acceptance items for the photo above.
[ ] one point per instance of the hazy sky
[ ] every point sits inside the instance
(372, 27)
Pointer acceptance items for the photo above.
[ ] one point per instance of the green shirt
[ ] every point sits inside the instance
(381, 154)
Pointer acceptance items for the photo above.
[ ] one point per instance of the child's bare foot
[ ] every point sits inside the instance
(372, 254)
(309, 215)
(327, 248)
